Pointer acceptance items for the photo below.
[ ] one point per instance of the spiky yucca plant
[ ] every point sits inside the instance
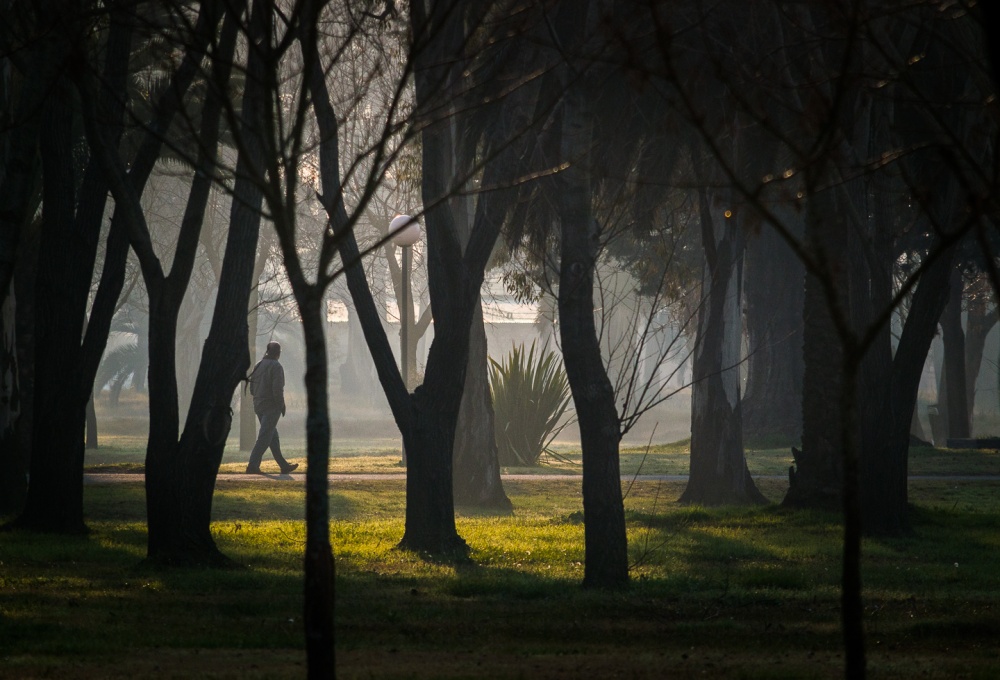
(530, 395)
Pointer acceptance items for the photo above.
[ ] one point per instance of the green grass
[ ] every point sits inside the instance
(717, 592)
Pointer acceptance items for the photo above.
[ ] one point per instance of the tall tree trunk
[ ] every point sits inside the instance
(954, 359)
(476, 474)
(319, 565)
(15, 455)
(248, 420)
(12, 484)
(91, 425)
(884, 481)
(816, 479)
(74, 365)
(55, 494)
(180, 476)
(605, 541)
(774, 293)
(719, 473)
(477, 466)
(455, 277)
(19, 187)
(980, 320)
(63, 384)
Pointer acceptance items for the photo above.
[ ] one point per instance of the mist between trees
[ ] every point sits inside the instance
(765, 210)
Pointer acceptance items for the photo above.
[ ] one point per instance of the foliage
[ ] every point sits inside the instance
(119, 366)
(530, 396)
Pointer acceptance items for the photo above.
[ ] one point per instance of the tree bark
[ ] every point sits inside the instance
(92, 442)
(476, 474)
(605, 542)
(954, 360)
(12, 480)
(816, 479)
(980, 320)
(318, 564)
(248, 419)
(884, 501)
(477, 467)
(719, 473)
(774, 293)
(74, 365)
(180, 475)
(15, 454)
(55, 494)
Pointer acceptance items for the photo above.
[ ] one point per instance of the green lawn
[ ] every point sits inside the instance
(723, 593)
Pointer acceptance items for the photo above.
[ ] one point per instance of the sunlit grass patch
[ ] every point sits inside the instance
(752, 591)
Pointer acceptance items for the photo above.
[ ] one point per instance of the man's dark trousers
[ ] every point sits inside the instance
(267, 437)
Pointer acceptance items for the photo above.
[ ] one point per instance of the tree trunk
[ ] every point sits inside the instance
(455, 277)
(605, 542)
(476, 474)
(55, 494)
(430, 506)
(719, 473)
(774, 293)
(180, 476)
(954, 360)
(477, 467)
(248, 419)
(72, 364)
(12, 480)
(19, 190)
(91, 425)
(884, 501)
(318, 564)
(816, 479)
(15, 455)
(980, 320)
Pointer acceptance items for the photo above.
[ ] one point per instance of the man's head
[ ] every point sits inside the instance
(273, 350)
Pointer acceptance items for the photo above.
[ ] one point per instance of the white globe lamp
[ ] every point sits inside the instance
(404, 230)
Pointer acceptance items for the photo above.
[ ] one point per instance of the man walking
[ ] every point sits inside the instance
(267, 387)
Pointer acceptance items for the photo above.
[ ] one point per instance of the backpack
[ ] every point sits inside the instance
(253, 383)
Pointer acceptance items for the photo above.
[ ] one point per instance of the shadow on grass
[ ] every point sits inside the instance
(95, 594)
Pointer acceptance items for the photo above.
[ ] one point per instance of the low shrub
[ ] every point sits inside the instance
(530, 396)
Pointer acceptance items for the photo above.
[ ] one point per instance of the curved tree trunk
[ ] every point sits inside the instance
(477, 465)
(884, 500)
(180, 475)
(58, 504)
(719, 473)
(605, 541)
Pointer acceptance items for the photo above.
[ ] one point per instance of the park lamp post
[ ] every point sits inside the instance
(405, 232)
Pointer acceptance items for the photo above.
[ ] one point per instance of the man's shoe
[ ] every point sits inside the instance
(291, 468)
(253, 471)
